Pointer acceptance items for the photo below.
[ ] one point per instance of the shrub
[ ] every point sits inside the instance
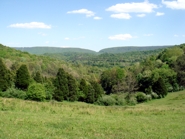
(120, 100)
(131, 99)
(36, 92)
(154, 95)
(13, 93)
(141, 97)
(106, 100)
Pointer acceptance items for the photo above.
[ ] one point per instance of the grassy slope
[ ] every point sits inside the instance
(157, 119)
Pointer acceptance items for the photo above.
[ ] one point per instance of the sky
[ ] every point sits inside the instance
(91, 24)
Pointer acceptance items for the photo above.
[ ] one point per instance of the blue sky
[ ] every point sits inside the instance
(91, 24)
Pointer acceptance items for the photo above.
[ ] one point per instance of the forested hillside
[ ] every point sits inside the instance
(105, 60)
(79, 77)
(131, 49)
(42, 50)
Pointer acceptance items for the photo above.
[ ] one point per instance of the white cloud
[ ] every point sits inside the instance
(141, 15)
(176, 35)
(148, 35)
(121, 16)
(47, 42)
(31, 25)
(159, 14)
(66, 38)
(82, 11)
(42, 34)
(97, 18)
(121, 37)
(175, 4)
(142, 7)
(183, 35)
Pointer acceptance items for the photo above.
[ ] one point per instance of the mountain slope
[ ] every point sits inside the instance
(131, 49)
(43, 50)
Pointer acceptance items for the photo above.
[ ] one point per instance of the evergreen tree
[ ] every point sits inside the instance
(159, 88)
(83, 88)
(22, 78)
(38, 77)
(98, 90)
(90, 95)
(4, 77)
(72, 88)
(61, 83)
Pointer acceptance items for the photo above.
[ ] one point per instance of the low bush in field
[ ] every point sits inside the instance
(110, 100)
(141, 97)
(106, 100)
(13, 93)
(36, 91)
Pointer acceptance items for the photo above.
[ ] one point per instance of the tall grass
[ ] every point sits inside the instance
(157, 119)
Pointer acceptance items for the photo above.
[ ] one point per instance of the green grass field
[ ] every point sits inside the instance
(157, 119)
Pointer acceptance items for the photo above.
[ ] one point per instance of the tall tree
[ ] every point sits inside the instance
(180, 69)
(38, 78)
(22, 78)
(83, 89)
(4, 77)
(72, 95)
(90, 95)
(98, 90)
(61, 84)
(160, 88)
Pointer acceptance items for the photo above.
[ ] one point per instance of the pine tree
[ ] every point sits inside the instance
(98, 90)
(83, 88)
(38, 77)
(22, 78)
(90, 95)
(61, 83)
(4, 77)
(72, 88)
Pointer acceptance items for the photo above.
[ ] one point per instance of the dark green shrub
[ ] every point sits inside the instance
(141, 97)
(36, 92)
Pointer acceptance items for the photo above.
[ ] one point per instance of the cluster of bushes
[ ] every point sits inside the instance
(125, 99)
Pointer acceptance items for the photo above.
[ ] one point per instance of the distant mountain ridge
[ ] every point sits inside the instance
(132, 49)
(44, 49)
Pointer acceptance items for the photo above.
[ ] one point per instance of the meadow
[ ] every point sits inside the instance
(156, 119)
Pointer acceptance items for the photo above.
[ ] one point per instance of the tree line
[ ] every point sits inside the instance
(36, 87)
(151, 78)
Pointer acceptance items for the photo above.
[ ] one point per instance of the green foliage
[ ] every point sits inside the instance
(90, 98)
(180, 69)
(154, 95)
(98, 90)
(4, 77)
(22, 78)
(61, 84)
(159, 88)
(49, 89)
(36, 91)
(141, 97)
(38, 77)
(83, 90)
(170, 55)
(72, 86)
(111, 77)
(106, 100)
(131, 99)
(13, 93)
